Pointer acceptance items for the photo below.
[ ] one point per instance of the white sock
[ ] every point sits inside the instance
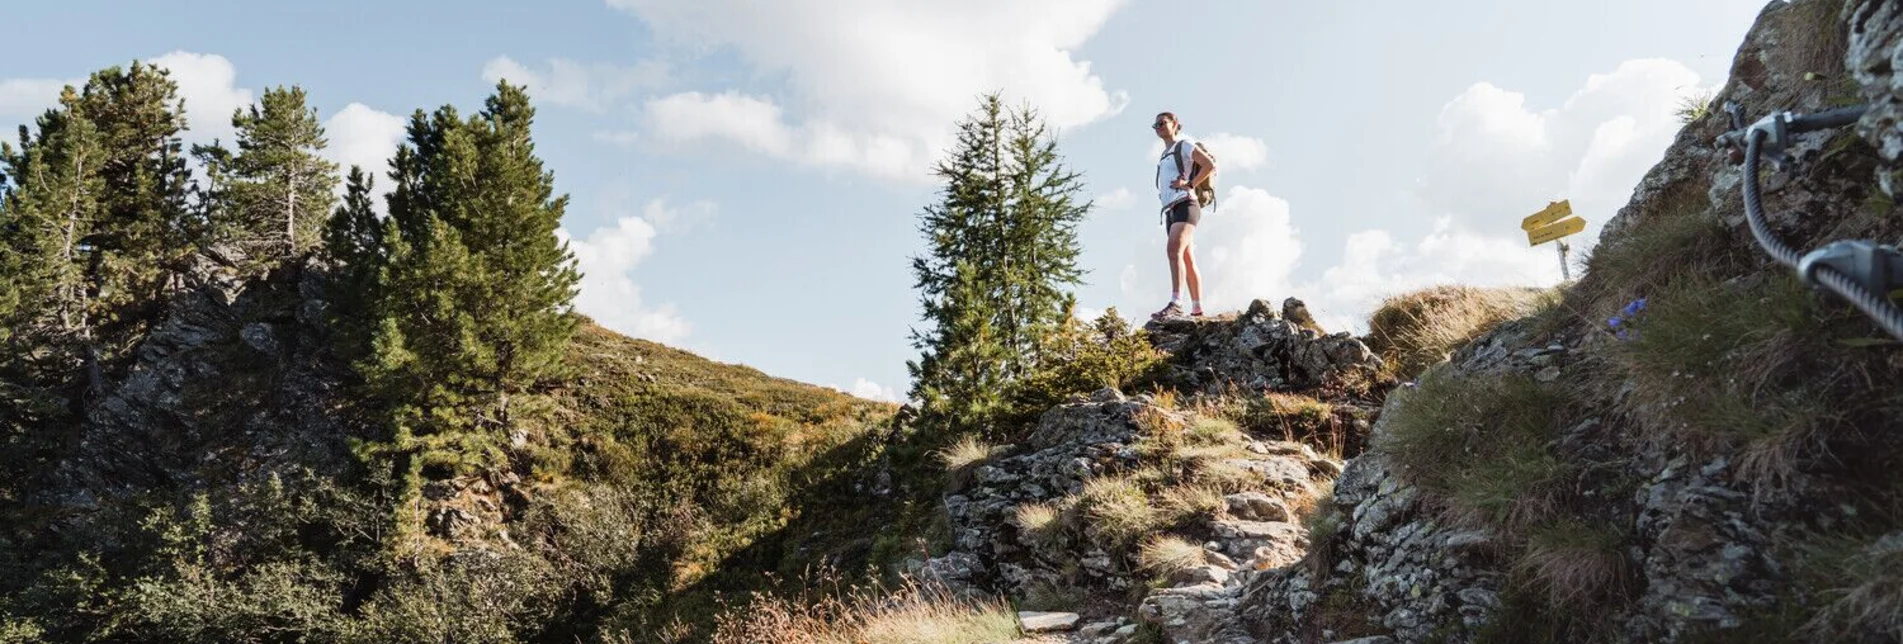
(1196, 305)
(1176, 298)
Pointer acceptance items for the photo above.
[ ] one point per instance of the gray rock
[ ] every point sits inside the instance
(1036, 622)
(1256, 506)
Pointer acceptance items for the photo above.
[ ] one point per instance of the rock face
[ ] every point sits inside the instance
(1073, 445)
(1241, 527)
(222, 369)
(1262, 349)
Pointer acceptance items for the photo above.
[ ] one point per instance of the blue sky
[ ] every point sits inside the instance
(746, 176)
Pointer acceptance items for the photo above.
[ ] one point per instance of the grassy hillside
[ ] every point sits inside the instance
(645, 470)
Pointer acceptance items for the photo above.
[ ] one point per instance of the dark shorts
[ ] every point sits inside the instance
(1183, 212)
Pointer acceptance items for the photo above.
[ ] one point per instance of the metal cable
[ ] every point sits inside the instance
(1875, 305)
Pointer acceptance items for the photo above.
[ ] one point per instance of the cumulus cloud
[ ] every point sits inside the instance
(870, 390)
(874, 85)
(1236, 152)
(209, 85)
(592, 87)
(363, 136)
(617, 138)
(24, 99)
(1495, 160)
(609, 293)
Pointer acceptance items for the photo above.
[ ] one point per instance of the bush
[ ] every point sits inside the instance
(1082, 357)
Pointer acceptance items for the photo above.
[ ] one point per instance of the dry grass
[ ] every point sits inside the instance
(1166, 555)
(1224, 476)
(1417, 330)
(1576, 563)
(1213, 431)
(1862, 587)
(962, 458)
(1117, 509)
(914, 614)
(1039, 521)
(1679, 236)
(1188, 503)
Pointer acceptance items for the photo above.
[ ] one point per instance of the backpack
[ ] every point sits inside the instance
(1205, 190)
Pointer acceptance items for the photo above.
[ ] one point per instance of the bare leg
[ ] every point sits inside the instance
(1176, 256)
(1190, 274)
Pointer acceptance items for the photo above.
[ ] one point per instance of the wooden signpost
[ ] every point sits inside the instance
(1553, 223)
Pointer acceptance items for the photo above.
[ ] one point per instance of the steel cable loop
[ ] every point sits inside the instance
(1875, 305)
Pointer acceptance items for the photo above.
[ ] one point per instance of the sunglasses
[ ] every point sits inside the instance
(1157, 125)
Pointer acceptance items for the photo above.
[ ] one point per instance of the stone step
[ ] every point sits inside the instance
(1035, 622)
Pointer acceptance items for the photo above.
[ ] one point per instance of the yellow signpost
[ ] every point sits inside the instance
(1552, 223)
(1554, 212)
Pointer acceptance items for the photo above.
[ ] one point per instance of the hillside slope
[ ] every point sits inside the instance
(213, 493)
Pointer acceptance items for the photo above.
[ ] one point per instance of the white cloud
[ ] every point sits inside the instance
(1235, 152)
(592, 87)
(873, 391)
(609, 294)
(208, 84)
(366, 137)
(23, 99)
(875, 85)
(1496, 161)
(617, 138)
(670, 219)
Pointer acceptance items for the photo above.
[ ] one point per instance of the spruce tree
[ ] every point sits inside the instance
(472, 297)
(1002, 247)
(276, 192)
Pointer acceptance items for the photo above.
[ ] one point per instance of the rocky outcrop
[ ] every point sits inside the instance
(1262, 349)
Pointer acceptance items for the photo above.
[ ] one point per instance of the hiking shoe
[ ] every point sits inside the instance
(1170, 311)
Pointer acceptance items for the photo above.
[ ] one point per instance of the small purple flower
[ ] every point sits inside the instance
(1621, 324)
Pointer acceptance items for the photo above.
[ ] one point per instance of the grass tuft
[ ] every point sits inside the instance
(1166, 555)
(1480, 444)
(1117, 509)
(1417, 330)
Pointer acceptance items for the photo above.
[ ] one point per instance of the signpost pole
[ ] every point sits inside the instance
(1565, 272)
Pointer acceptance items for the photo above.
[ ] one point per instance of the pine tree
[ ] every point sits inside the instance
(276, 190)
(139, 243)
(474, 290)
(354, 247)
(48, 279)
(1002, 247)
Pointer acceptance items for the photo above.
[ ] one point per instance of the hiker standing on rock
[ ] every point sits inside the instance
(1181, 173)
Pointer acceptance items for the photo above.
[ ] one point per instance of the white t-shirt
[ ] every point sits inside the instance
(1166, 173)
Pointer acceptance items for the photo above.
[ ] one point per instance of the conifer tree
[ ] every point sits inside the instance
(353, 244)
(276, 190)
(473, 294)
(1002, 247)
(48, 276)
(137, 245)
